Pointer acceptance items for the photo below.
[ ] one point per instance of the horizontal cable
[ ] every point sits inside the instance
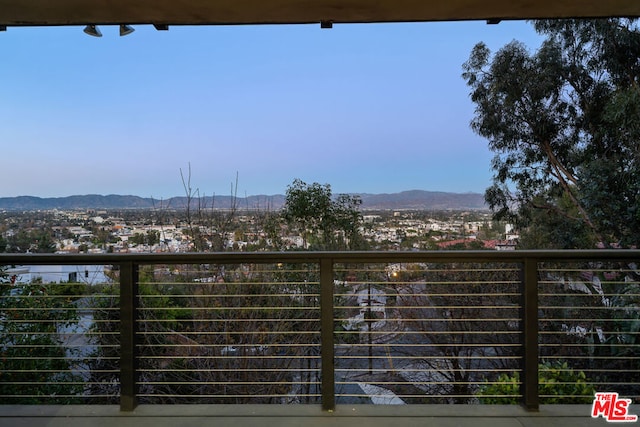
(574, 333)
(224, 396)
(617, 358)
(428, 307)
(40, 346)
(41, 309)
(230, 357)
(56, 396)
(413, 382)
(292, 296)
(67, 322)
(218, 370)
(70, 359)
(458, 283)
(38, 333)
(433, 332)
(425, 357)
(436, 294)
(206, 333)
(216, 285)
(78, 370)
(583, 320)
(244, 308)
(260, 383)
(283, 320)
(48, 383)
(430, 371)
(597, 308)
(581, 294)
(56, 296)
(257, 348)
(385, 346)
(603, 345)
(419, 396)
(424, 319)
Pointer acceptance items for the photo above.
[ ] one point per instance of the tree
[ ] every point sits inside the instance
(589, 318)
(454, 311)
(208, 226)
(563, 125)
(219, 334)
(34, 240)
(150, 238)
(330, 223)
(37, 367)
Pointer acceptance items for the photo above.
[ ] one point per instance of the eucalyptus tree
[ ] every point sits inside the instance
(563, 124)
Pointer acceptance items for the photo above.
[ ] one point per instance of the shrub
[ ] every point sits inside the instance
(558, 383)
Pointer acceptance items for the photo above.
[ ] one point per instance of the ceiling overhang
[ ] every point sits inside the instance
(231, 12)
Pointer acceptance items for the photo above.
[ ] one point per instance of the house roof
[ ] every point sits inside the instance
(227, 12)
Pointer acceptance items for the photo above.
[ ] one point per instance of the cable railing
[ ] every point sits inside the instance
(325, 328)
(212, 333)
(431, 332)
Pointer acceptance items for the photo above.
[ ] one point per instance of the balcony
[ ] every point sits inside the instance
(318, 337)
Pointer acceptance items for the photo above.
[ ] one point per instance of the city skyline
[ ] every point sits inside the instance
(366, 108)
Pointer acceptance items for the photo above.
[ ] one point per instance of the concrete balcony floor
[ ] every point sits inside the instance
(299, 415)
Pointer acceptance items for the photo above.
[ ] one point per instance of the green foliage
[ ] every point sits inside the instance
(562, 122)
(325, 223)
(558, 383)
(34, 240)
(190, 314)
(150, 238)
(35, 365)
(549, 229)
(102, 236)
(166, 307)
(214, 317)
(626, 320)
(69, 289)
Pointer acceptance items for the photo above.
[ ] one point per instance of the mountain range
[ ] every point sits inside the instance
(409, 200)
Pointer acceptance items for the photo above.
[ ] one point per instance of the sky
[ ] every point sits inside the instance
(366, 108)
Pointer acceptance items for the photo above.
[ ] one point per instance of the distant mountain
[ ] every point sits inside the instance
(90, 201)
(427, 200)
(414, 200)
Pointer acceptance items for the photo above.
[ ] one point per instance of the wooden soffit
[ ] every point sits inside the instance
(230, 12)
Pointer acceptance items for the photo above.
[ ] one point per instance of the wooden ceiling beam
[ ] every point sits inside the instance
(232, 12)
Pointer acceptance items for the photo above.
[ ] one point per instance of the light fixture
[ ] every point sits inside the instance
(125, 30)
(493, 21)
(92, 30)
(326, 24)
(161, 27)
(3, 28)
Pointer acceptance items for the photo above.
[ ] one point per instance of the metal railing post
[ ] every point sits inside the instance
(128, 317)
(326, 334)
(529, 386)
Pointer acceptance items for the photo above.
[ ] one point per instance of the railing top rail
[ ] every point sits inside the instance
(315, 257)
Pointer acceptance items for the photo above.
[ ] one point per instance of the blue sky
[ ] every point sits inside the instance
(367, 108)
